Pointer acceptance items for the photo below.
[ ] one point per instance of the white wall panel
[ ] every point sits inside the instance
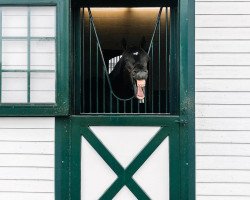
(223, 111)
(26, 158)
(232, 176)
(27, 196)
(211, 46)
(222, 99)
(233, 72)
(230, 21)
(223, 136)
(222, 33)
(222, 59)
(222, 85)
(222, 8)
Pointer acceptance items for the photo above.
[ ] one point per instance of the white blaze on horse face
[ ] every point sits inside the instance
(136, 53)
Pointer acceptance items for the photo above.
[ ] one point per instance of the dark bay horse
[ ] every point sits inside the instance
(130, 74)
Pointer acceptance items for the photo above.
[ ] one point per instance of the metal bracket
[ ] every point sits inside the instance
(182, 122)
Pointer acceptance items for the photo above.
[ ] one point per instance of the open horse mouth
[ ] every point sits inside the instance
(140, 89)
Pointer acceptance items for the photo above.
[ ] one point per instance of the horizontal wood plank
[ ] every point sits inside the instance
(223, 136)
(223, 189)
(222, 72)
(27, 122)
(222, 124)
(231, 21)
(222, 33)
(223, 149)
(222, 162)
(218, 59)
(222, 111)
(21, 173)
(26, 196)
(222, 98)
(26, 186)
(222, 8)
(27, 147)
(26, 160)
(226, 176)
(222, 85)
(211, 46)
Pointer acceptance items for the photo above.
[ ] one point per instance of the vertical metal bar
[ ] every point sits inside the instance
(152, 73)
(124, 106)
(167, 58)
(111, 99)
(1, 54)
(82, 36)
(28, 57)
(131, 104)
(97, 77)
(103, 90)
(90, 63)
(145, 102)
(117, 105)
(138, 106)
(159, 63)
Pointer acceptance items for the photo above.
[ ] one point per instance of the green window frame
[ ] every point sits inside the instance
(61, 105)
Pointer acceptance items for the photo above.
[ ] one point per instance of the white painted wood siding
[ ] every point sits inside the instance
(26, 158)
(222, 100)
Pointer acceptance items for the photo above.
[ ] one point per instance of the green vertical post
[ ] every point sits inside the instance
(28, 57)
(79, 78)
(1, 54)
(186, 29)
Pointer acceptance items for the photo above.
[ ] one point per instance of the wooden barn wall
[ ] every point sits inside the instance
(26, 158)
(223, 100)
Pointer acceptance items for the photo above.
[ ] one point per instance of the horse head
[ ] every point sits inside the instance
(132, 70)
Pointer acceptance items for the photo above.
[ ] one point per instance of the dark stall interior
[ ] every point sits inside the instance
(111, 26)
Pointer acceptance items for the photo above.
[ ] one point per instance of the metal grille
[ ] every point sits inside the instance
(113, 62)
(95, 91)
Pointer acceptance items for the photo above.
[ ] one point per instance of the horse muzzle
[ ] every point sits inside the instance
(140, 92)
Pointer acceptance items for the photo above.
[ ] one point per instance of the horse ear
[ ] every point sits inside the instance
(124, 44)
(143, 43)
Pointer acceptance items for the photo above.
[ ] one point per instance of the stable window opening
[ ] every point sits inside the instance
(127, 61)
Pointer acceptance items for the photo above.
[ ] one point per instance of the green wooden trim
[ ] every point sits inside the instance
(61, 107)
(32, 110)
(63, 55)
(62, 159)
(28, 58)
(125, 120)
(78, 48)
(187, 97)
(0, 54)
(27, 2)
(128, 3)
